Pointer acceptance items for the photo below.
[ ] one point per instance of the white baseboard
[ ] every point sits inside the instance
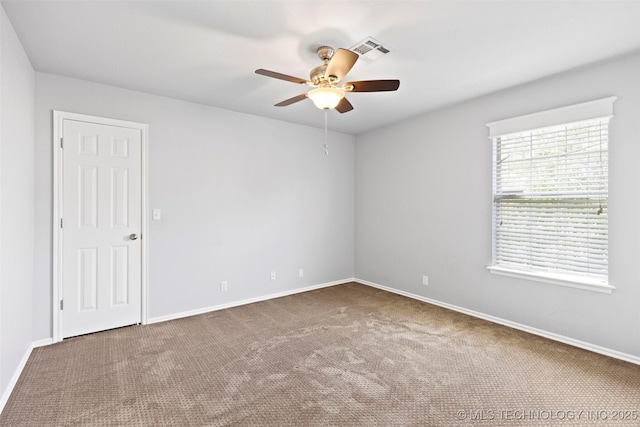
(42, 343)
(535, 331)
(20, 368)
(246, 301)
(15, 377)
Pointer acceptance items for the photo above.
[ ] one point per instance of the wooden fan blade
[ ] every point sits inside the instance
(341, 62)
(372, 86)
(344, 106)
(281, 76)
(291, 100)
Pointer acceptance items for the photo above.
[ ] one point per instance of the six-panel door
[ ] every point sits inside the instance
(102, 225)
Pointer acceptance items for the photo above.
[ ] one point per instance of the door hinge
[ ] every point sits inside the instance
(61, 142)
(61, 223)
(61, 304)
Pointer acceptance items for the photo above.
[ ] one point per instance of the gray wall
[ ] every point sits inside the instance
(423, 207)
(241, 196)
(16, 201)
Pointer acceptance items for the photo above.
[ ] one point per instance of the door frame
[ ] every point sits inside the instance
(58, 200)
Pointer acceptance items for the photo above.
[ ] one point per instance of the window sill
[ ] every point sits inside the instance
(555, 279)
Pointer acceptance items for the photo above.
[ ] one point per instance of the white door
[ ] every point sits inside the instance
(101, 227)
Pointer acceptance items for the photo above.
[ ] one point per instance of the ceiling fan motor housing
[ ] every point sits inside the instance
(317, 75)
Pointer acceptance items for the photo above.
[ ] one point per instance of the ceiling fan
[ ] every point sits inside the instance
(325, 79)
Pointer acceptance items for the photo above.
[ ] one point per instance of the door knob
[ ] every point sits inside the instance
(133, 236)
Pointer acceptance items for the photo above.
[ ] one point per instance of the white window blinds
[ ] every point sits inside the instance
(550, 197)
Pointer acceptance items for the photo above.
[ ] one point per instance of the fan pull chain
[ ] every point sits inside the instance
(326, 142)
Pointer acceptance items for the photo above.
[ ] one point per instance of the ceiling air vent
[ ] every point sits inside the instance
(370, 49)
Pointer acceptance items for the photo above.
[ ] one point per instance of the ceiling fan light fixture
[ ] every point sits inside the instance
(326, 98)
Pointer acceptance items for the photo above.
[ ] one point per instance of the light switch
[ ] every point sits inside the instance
(157, 214)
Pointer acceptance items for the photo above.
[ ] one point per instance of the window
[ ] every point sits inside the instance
(550, 194)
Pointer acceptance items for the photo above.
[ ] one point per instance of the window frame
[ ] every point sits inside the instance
(596, 109)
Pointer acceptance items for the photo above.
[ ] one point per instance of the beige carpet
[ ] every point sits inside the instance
(339, 356)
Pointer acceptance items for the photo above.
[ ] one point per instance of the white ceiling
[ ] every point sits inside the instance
(443, 52)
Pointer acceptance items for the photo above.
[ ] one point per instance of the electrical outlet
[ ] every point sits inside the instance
(273, 275)
(425, 280)
(301, 272)
(223, 286)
